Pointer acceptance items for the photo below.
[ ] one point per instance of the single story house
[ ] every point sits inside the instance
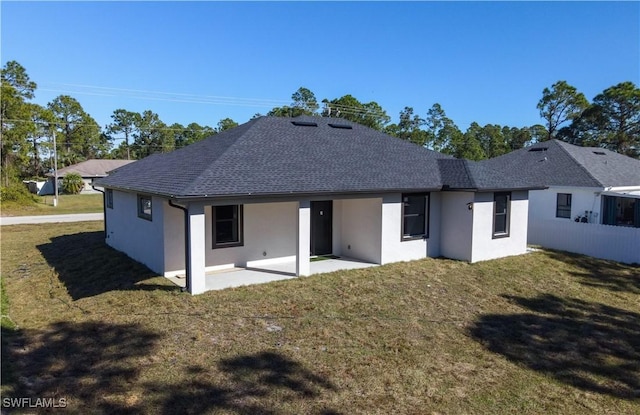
(89, 170)
(286, 189)
(585, 185)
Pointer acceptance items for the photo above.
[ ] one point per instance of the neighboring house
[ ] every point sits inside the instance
(588, 187)
(90, 170)
(286, 189)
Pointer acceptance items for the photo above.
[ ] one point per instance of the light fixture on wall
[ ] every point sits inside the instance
(470, 205)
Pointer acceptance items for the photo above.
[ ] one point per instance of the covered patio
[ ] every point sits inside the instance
(238, 277)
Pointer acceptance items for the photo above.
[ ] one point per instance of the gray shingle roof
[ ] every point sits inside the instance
(93, 168)
(473, 175)
(273, 156)
(556, 163)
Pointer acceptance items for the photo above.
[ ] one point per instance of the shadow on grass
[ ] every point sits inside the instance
(257, 382)
(591, 346)
(600, 273)
(87, 266)
(99, 367)
(7, 376)
(84, 363)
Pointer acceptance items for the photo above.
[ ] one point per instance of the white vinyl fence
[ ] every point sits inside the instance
(617, 243)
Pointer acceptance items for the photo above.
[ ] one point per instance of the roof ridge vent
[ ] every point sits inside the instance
(304, 123)
(342, 126)
(538, 149)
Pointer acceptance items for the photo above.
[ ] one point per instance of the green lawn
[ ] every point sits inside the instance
(542, 333)
(89, 203)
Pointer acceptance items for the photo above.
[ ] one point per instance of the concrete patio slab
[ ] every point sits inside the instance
(238, 277)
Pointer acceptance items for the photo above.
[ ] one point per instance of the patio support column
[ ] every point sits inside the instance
(303, 245)
(196, 258)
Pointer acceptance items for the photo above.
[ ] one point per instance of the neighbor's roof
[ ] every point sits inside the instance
(93, 168)
(279, 156)
(556, 163)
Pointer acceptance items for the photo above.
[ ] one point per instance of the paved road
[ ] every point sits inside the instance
(74, 217)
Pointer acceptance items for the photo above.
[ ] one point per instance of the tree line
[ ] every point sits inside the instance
(27, 130)
(611, 120)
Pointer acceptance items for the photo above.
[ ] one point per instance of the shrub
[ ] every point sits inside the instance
(72, 183)
(16, 192)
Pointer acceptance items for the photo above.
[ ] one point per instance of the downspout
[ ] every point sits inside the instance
(187, 247)
(104, 208)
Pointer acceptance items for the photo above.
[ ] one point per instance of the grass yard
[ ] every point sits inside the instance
(89, 203)
(543, 333)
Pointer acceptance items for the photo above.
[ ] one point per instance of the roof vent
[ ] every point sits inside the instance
(538, 149)
(600, 153)
(342, 126)
(304, 123)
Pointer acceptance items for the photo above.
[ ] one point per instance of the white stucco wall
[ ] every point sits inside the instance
(359, 233)
(271, 228)
(456, 225)
(336, 230)
(363, 228)
(394, 249)
(88, 189)
(174, 249)
(542, 203)
(371, 230)
(435, 225)
(484, 246)
(140, 239)
(269, 235)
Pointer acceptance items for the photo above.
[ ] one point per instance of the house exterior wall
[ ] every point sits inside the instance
(434, 249)
(269, 236)
(542, 203)
(617, 243)
(88, 188)
(140, 239)
(456, 225)
(336, 230)
(368, 229)
(371, 230)
(395, 249)
(174, 248)
(359, 233)
(365, 228)
(484, 245)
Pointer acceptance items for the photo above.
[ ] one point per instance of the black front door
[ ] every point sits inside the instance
(321, 223)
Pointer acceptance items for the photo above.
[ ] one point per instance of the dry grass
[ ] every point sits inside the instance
(542, 333)
(89, 203)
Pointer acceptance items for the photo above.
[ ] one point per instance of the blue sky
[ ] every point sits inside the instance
(483, 62)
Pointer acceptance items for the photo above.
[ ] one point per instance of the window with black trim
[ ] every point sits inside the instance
(563, 205)
(109, 198)
(501, 214)
(415, 216)
(144, 207)
(227, 226)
